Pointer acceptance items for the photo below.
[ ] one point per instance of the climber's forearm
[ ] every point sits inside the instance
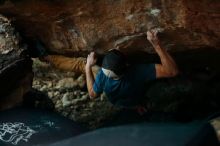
(169, 66)
(90, 81)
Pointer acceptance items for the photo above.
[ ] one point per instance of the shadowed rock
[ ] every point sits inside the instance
(15, 66)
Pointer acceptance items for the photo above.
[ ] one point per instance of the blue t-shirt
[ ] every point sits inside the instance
(130, 88)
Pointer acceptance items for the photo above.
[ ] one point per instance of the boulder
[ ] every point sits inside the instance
(76, 27)
(15, 66)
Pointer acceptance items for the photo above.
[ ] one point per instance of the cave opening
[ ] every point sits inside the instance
(71, 30)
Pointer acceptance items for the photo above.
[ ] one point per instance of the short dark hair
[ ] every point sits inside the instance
(115, 61)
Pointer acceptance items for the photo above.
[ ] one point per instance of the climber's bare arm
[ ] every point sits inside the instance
(168, 67)
(91, 60)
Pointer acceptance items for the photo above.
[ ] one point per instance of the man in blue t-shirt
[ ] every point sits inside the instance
(125, 85)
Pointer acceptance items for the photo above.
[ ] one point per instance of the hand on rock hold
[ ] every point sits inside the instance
(152, 37)
(91, 60)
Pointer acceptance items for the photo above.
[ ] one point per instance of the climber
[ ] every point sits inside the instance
(125, 85)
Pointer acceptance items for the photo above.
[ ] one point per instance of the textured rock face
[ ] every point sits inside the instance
(80, 26)
(15, 67)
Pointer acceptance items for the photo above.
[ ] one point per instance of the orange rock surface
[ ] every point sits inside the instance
(77, 26)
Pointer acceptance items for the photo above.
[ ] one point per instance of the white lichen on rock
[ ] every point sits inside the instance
(155, 12)
(130, 17)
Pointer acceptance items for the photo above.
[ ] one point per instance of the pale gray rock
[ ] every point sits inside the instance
(66, 100)
(81, 81)
(66, 83)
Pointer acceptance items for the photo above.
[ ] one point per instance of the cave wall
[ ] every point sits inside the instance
(73, 26)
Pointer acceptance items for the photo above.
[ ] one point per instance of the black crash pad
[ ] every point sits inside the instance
(27, 127)
(147, 134)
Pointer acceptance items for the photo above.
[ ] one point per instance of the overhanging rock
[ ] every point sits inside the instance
(77, 27)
